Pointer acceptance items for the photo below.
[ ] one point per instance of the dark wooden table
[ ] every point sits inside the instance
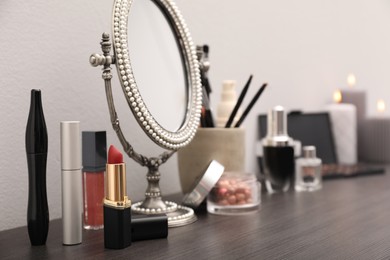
(347, 219)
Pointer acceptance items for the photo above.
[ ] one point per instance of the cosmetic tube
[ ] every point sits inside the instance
(94, 166)
(72, 188)
(117, 206)
(36, 150)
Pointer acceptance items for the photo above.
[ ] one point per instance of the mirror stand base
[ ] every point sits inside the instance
(178, 215)
(153, 203)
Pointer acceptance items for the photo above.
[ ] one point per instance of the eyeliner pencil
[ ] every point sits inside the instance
(239, 101)
(251, 104)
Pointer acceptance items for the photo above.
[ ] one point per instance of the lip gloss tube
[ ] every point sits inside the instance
(117, 213)
(71, 179)
(94, 165)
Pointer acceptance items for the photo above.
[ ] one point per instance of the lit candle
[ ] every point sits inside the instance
(343, 118)
(375, 136)
(380, 106)
(351, 80)
(354, 96)
(337, 96)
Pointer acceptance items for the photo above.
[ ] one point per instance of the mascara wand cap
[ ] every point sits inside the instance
(70, 145)
(36, 132)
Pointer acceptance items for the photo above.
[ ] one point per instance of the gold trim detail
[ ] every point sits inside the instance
(118, 204)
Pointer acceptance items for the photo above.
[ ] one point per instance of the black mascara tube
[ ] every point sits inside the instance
(36, 150)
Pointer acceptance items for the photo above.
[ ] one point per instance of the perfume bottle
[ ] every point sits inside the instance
(278, 152)
(308, 171)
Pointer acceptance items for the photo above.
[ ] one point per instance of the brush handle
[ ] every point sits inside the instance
(37, 210)
(251, 104)
(239, 101)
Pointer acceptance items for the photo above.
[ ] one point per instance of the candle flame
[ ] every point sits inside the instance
(380, 105)
(351, 80)
(337, 96)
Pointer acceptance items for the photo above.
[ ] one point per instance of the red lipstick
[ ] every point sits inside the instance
(114, 155)
(117, 213)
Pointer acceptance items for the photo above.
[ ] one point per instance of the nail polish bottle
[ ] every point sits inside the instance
(278, 152)
(308, 171)
(94, 166)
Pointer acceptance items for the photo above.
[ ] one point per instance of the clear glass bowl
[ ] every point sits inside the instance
(234, 194)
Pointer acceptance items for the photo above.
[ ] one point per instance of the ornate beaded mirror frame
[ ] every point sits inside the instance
(172, 140)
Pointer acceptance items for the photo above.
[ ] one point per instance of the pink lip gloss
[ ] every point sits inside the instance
(94, 166)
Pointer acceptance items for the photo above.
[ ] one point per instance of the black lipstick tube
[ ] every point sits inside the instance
(36, 150)
(116, 208)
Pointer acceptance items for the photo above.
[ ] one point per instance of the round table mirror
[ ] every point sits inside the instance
(158, 69)
(166, 138)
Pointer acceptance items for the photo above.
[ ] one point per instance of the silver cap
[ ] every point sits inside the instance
(70, 145)
(202, 188)
(277, 122)
(309, 152)
(277, 128)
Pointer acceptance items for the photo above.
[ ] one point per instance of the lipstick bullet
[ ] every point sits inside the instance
(117, 213)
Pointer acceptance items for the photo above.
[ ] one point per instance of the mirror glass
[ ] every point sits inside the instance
(169, 99)
(157, 64)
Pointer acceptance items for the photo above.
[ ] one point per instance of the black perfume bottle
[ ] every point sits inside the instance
(278, 153)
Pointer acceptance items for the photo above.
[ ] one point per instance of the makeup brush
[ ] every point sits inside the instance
(239, 101)
(208, 116)
(251, 104)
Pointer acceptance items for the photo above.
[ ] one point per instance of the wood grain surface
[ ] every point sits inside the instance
(347, 219)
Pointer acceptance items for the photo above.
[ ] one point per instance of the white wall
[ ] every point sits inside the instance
(304, 49)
